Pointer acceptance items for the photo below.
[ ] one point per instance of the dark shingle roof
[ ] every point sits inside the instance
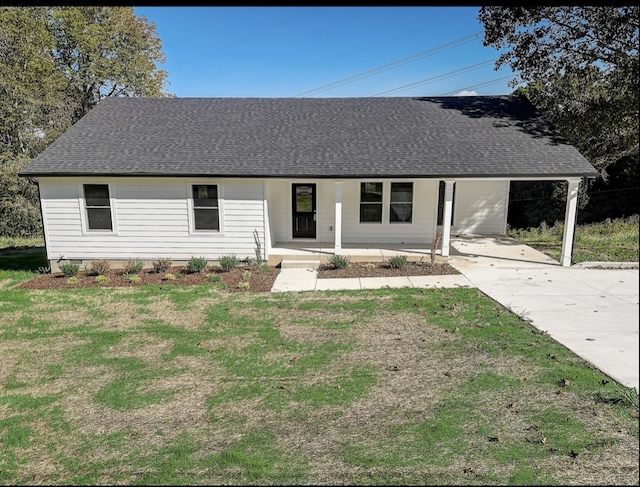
(476, 136)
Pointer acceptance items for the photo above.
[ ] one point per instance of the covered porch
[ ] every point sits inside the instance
(312, 254)
(464, 250)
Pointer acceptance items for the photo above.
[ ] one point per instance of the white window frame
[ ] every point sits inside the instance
(413, 202)
(382, 203)
(191, 207)
(84, 217)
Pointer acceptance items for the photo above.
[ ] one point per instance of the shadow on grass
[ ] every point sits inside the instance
(23, 259)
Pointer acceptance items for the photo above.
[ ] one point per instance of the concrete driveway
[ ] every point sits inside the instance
(593, 312)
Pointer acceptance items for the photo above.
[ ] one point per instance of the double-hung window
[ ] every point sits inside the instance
(98, 206)
(206, 210)
(401, 203)
(370, 202)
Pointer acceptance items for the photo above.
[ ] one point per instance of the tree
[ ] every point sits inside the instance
(56, 63)
(580, 66)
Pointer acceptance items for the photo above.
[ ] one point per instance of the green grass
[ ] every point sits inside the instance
(22, 254)
(608, 241)
(180, 385)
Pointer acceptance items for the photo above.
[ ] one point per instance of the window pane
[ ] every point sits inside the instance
(205, 195)
(96, 194)
(401, 192)
(304, 199)
(206, 220)
(371, 192)
(99, 218)
(370, 212)
(401, 212)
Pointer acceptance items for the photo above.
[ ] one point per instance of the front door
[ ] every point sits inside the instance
(304, 210)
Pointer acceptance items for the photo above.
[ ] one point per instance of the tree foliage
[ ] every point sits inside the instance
(56, 63)
(580, 68)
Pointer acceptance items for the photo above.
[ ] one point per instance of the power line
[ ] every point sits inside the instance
(479, 85)
(437, 78)
(393, 64)
(337, 57)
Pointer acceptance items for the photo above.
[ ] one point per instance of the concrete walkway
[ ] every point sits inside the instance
(592, 312)
(307, 280)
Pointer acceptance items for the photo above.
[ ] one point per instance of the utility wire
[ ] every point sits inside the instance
(391, 65)
(437, 78)
(335, 57)
(486, 83)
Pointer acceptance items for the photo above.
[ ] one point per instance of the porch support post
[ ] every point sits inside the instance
(569, 221)
(337, 224)
(446, 217)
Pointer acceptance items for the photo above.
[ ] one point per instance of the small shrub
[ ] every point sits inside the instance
(69, 269)
(163, 264)
(369, 266)
(213, 277)
(258, 250)
(243, 285)
(228, 262)
(101, 278)
(99, 267)
(72, 280)
(262, 268)
(168, 277)
(398, 261)
(133, 266)
(435, 243)
(339, 261)
(246, 275)
(196, 265)
(131, 277)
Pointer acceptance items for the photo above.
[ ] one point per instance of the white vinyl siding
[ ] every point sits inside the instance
(153, 220)
(480, 207)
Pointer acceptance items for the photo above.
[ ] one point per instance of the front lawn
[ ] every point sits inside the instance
(193, 385)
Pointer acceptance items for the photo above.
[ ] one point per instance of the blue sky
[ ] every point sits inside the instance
(325, 51)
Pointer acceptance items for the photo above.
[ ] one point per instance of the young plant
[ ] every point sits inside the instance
(133, 266)
(258, 251)
(69, 269)
(339, 261)
(398, 261)
(228, 262)
(131, 277)
(434, 246)
(101, 279)
(196, 265)
(162, 264)
(169, 277)
(99, 267)
(72, 280)
(246, 275)
(213, 277)
(244, 285)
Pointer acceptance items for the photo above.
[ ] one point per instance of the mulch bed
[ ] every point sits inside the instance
(259, 281)
(383, 269)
